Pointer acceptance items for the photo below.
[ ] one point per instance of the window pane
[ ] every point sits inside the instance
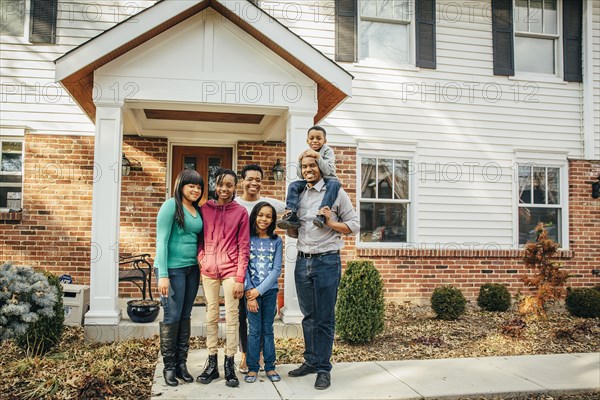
(367, 178)
(535, 16)
(190, 163)
(386, 177)
(383, 222)
(12, 17)
(520, 16)
(550, 16)
(10, 197)
(213, 165)
(402, 10)
(525, 184)
(385, 8)
(553, 186)
(368, 8)
(11, 162)
(384, 41)
(529, 217)
(534, 55)
(401, 179)
(539, 185)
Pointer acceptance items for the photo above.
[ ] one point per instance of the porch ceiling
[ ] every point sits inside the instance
(75, 70)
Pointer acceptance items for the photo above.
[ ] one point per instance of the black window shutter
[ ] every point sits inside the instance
(502, 34)
(572, 39)
(43, 21)
(345, 30)
(425, 32)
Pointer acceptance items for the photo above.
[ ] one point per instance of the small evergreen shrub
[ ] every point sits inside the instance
(583, 302)
(360, 306)
(448, 302)
(28, 300)
(493, 297)
(44, 334)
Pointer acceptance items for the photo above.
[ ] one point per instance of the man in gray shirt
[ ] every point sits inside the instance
(318, 269)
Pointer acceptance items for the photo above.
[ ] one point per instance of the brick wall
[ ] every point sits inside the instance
(55, 228)
(142, 194)
(54, 232)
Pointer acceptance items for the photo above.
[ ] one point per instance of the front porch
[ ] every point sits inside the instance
(195, 73)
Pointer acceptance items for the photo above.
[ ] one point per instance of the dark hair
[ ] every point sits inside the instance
(254, 214)
(317, 128)
(220, 174)
(186, 177)
(252, 167)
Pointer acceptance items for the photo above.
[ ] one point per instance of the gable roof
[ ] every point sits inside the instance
(75, 69)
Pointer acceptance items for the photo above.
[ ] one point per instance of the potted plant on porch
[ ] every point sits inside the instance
(142, 310)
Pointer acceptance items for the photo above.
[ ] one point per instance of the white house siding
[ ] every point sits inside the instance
(596, 49)
(465, 120)
(29, 97)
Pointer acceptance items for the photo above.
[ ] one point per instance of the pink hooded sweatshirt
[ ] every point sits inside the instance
(224, 248)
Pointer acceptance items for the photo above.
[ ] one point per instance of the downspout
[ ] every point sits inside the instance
(588, 82)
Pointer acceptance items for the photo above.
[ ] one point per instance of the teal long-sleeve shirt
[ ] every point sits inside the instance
(176, 247)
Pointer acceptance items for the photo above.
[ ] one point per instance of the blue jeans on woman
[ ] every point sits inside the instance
(261, 326)
(183, 288)
(317, 281)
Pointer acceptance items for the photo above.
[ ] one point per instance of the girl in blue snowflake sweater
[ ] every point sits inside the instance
(261, 289)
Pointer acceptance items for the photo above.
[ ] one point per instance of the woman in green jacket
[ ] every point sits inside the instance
(178, 226)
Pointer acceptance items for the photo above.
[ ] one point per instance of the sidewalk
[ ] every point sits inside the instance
(415, 379)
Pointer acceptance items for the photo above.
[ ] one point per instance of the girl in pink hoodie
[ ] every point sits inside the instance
(223, 252)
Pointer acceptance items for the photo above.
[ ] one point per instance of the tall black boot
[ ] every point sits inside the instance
(168, 348)
(183, 345)
(211, 371)
(231, 379)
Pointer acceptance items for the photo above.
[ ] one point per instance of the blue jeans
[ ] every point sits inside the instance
(261, 327)
(296, 187)
(183, 287)
(317, 281)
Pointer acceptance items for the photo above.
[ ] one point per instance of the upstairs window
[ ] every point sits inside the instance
(385, 32)
(536, 36)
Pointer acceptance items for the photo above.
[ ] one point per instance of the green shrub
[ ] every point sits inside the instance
(360, 306)
(448, 302)
(493, 297)
(583, 302)
(44, 334)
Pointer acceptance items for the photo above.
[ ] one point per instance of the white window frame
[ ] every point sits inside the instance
(558, 48)
(386, 63)
(26, 26)
(547, 160)
(12, 184)
(411, 201)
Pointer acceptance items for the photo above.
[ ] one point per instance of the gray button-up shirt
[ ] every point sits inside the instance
(314, 240)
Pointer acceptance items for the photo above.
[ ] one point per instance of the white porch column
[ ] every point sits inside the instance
(297, 125)
(106, 202)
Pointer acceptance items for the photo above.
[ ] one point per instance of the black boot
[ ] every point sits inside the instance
(231, 379)
(168, 348)
(183, 345)
(211, 371)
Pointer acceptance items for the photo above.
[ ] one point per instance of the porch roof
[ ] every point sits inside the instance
(75, 69)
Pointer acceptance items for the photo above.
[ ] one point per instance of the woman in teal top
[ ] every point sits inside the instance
(178, 225)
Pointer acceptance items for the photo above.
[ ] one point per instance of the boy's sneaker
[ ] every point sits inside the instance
(289, 221)
(319, 221)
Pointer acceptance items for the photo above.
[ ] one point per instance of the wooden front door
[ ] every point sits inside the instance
(205, 160)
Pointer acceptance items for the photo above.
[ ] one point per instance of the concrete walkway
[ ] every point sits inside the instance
(423, 379)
